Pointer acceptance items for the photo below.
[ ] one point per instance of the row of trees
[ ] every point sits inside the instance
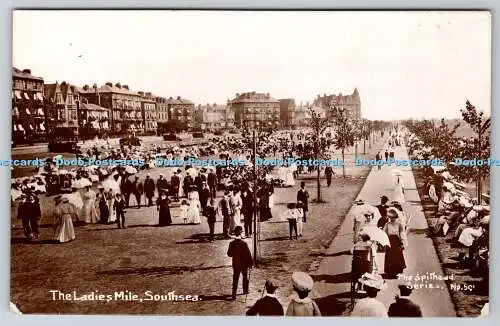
(443, 142)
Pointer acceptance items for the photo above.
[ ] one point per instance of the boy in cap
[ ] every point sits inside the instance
(303, 305)
(404, 307)
(268, 305)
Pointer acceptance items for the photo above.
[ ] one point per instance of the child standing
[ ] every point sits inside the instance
(184, 211)
(302, 305)
(291, 215)
(300, 213)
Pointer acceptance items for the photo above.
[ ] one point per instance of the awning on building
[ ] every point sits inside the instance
(42, 127)
(26, 96)
(31, 127)
(132, 127)
(39, 96)
(95, 125)
(40, 111)
(18, 95)
(127, 115)
(16, 111)
(15, 128)
(20, 127)
(105, 125)
(28, 111)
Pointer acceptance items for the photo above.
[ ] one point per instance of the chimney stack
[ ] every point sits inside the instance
(110, 84)
(27, 71)
(118, 85)
(125, 86)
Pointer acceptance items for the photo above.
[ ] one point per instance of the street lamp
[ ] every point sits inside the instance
(254, 152)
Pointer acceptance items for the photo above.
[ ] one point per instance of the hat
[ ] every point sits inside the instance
(271, 285)
(384, 198)
(302, 281)
(373, 281)
(238, 230)
(395, 202)
(359, 201)
(404, 289)
(392, 211)
(291, 205)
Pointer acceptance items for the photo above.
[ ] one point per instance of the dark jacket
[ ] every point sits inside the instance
(303, 196)
(119, 206)
(239, 251)
(30, 210)
(382, 209)
(404, 307)
(266, 306)
(175, 181)
(224, 206)
(247, 205)
(161, 184)
(328, 171)
(212, 179)
(210, 214)
(149, 187)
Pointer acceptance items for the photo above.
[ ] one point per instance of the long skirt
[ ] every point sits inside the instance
(112, 212)
(165, 218)
(65, 231)
(394, 258)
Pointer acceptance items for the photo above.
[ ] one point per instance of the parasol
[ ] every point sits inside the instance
(130, 170)
(74, 198)
(192, 172)
(81, 183)
(376, 234)
(110, 183)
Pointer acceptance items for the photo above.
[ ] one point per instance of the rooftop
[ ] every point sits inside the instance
(26, 74)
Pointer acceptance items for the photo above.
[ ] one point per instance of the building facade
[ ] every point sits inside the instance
(256, 110)
(29, 121)
(64, 102)
(161, 109)
(148, 110)
(350, 103)
(287, 113)
(124, 105)
(214, 116)
(182, 110)
(94, 118)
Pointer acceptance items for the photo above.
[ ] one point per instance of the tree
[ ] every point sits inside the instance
(172, 125)
(345, 132)
(319, 125)
(480, 143)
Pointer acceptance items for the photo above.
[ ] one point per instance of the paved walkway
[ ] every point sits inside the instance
(332, 284)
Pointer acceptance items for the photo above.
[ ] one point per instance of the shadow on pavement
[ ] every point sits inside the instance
(160, 270)
(222, 297)
(332, 306)
(322, 254)
(338, 278)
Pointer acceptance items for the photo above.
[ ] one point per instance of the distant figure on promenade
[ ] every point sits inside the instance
(329, 173)
(149, 189)
(269, 304)
(29, 212)
(162, 204)
(303, 197)
(224, 210)
(378, 158)
(210, 213)
(394, 258)
(241, 261)
(119, 208)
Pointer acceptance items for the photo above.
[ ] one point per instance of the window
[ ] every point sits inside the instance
(60, 114)
(59, 98)
(70, 99)
(73, 115)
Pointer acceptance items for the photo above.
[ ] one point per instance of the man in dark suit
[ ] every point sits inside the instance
(268, 305)
(137, 190)
(212, 182)
(404, 307)
(242, 260)
(126, 188)
(224, 209)
(175, 183)
(119, 207)
(149, 189)
(247, 210)
(204, 194)
(382, 208)
(329, 173)
(162, 184)
(303, 197)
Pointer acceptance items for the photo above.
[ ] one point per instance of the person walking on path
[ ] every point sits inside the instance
(404, 307)
(210, 213)
(29, 212)
(329, 173)
(63, 229)
(149, 189)
(247, 210)
(137, 190)
(302, 305)
(212, 182)
(303, 197)
(394, 257)
(291, 215)
(119, 207)
(241, 261)
(382, 208)
(269, 304)
(224, 210)
(162, 205)
(378, 158)
(175, 183)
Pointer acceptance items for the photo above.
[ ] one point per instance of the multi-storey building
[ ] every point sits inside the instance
(64, 102)
(287, 112)
(124, 105)
(29, 121)
(214, 116)
(256, 110)
(94, 117)
(161, 109)
(148, 108)
(182, 110)
(350, 103)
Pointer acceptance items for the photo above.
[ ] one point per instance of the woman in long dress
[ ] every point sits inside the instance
(394, 258)
(65, 212)
(399, 190)
(110, 199)
(193, 213)
(236, 203)
(163, 208)
(89, 211)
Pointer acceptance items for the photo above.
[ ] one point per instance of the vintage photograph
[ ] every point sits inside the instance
(251, 163)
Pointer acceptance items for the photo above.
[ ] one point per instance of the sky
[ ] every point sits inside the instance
(404, 64)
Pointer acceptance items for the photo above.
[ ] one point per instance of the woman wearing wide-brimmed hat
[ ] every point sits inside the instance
(394, 258)
(65, 212)
(370, 306)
